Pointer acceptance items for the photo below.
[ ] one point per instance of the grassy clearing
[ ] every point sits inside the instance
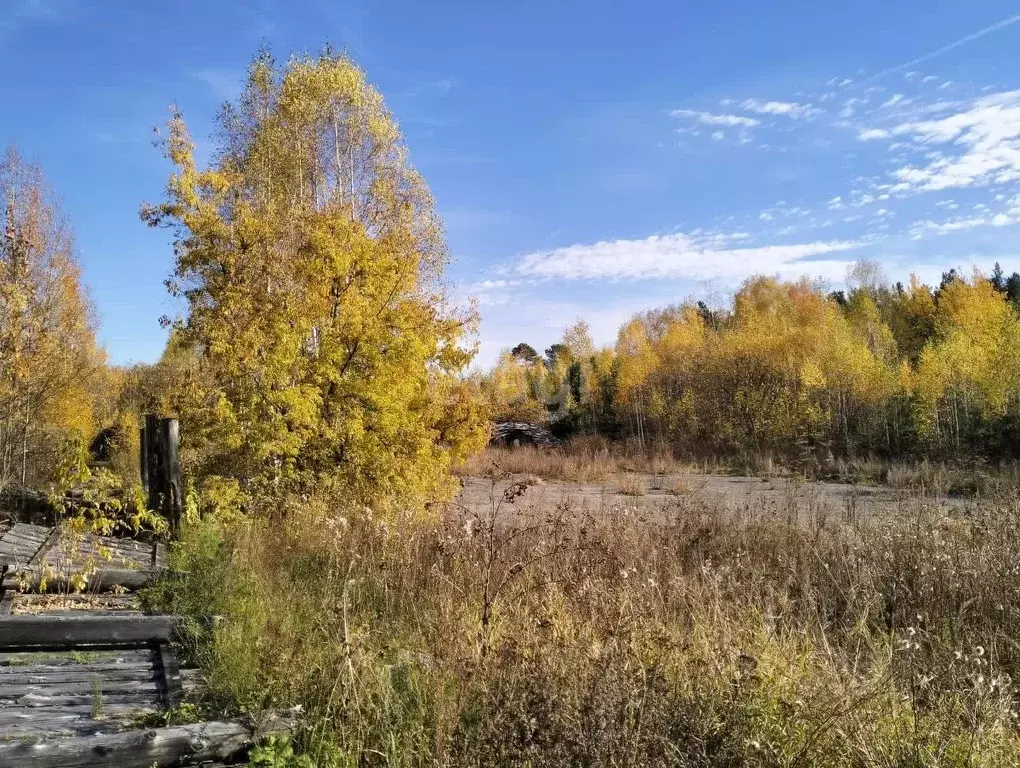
(592, 460)
(934, 478)
(582, 460)
(500, 637)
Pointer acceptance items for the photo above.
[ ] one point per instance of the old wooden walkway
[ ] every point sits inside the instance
(84, 674)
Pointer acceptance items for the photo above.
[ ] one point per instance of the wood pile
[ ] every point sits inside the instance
(514, 433)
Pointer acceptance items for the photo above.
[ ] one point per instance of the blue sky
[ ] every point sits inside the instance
(589, 159)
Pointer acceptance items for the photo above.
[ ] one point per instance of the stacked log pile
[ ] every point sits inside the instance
(514, 433)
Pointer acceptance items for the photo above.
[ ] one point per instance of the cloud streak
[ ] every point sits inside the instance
(1002, 24)
(682, 256)
(789, 109)
(708, 118)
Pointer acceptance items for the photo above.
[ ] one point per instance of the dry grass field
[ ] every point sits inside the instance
(712, 622)
(599, 483)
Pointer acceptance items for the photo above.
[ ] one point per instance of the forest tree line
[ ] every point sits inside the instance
(792, 369)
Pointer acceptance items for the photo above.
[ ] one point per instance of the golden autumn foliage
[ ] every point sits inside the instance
(970, 376)
(786, 364)
(792, 370)
(514, 388)
(325, 350)
(50, 364)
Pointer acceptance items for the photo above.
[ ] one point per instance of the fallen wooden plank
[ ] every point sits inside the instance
(101, 548)
(26, 532)
(25, 719)
(21, 659)
(79, 676)
(56, 670)
(35, 729)
(66, 631)
(156, 747)
(81, 687)
(41, 673)
(74, 604)
(79, 612)
(174, 690)
(119, 601)
(78, 711)
(23, 539)
(146, 699)
(51, 540)
(28, 528)
(104, 579)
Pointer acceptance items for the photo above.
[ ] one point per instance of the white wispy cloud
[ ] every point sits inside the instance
(850, 107)
(490, 293)
(1008, 214)
(971, 140)
(682, 256)
(709, 118)
(491, 285)
(927, 227)
(783, 210)
(784, 108)
(975, 146)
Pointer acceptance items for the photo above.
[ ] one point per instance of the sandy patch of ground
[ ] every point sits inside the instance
(740, 498)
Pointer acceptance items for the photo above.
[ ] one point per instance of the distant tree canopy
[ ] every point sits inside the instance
(322, 346)
(789, 368)
(525, 353)
(1007, 286)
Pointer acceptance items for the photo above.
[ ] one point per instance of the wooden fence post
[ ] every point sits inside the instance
(170, 437)
(161, 470)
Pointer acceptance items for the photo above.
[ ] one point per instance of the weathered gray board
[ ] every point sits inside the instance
(22, 543)
(65, 631)
(104, 579)
(80, 692)
(38, 554)
(27, 544)
(133, 749)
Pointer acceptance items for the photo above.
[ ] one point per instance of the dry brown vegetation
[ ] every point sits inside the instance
(587, 459)
(584, 459)
(510, 635)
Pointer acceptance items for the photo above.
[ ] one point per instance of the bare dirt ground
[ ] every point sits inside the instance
(740, 498)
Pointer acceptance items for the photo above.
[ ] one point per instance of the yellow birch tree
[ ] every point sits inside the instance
(311, 260)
